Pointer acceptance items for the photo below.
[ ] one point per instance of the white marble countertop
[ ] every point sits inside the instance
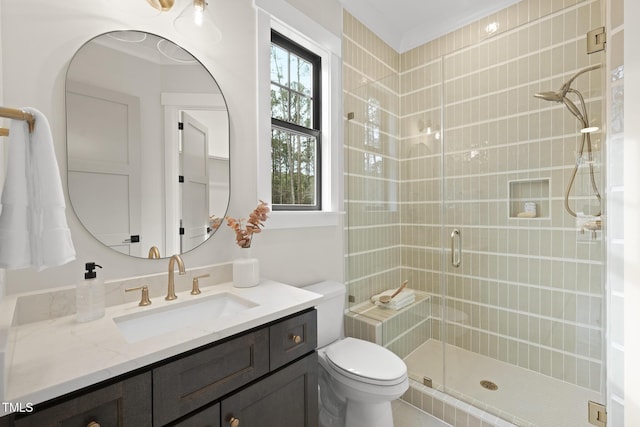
(50, 358)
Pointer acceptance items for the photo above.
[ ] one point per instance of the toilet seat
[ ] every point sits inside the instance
(366, 362)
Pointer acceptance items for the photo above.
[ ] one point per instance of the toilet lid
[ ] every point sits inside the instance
(365, 360)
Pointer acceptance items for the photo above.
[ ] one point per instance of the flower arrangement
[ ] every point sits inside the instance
(253, 225)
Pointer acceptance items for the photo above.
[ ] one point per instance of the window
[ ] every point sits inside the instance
(295, 126)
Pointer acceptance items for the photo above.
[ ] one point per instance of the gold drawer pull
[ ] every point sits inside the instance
(297, 339)
(234, 422)
(93, 424)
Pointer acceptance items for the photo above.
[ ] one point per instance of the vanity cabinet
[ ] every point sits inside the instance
(125, 403)
(263, 377)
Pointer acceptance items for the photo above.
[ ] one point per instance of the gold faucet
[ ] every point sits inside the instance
(154, 252)
(171, 288)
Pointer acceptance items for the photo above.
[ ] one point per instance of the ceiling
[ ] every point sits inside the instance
(405, 24)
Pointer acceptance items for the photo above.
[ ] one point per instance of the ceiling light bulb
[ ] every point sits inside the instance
(198, 12)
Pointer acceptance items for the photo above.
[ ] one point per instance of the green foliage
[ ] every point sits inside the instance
(293, 165)
(293, 155)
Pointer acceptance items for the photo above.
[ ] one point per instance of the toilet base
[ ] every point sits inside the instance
(336, 410)
(368, 414)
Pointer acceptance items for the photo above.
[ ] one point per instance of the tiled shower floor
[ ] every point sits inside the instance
(538, 399)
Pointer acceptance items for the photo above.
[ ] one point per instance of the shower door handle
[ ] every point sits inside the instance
(456, 248)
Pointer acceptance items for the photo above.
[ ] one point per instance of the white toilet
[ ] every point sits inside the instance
(358, 379)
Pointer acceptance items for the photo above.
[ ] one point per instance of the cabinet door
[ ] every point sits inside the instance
(123, 404)
(292, 338)
(182, 386)
(288, 397)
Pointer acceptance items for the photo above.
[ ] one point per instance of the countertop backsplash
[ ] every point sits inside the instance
(60, 302)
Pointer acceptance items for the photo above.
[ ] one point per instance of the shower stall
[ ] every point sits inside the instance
(462, 178)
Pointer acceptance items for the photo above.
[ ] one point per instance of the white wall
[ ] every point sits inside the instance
(631, 215)
(615, 213)
(2, 162)
(44, 35)
(324, 12)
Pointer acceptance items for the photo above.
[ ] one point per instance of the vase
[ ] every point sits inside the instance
(246, 270)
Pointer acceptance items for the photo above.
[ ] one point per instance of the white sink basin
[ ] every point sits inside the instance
(177, 315)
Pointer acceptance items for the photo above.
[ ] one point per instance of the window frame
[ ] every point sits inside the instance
(315, 131)
(289, 21)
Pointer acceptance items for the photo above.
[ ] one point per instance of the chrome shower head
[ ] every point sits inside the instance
(550, 96)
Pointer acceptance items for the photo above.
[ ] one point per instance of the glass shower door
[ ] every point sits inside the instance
(522, 278)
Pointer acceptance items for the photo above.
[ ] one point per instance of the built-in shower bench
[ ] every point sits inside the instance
(401, 330)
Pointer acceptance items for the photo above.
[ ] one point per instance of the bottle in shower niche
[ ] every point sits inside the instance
(90, 295)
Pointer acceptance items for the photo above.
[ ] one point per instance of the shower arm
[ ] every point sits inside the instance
(567, 86)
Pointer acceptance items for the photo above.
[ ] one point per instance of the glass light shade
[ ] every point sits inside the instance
(195, 22)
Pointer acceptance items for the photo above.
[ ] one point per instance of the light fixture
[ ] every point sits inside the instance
(162, 5)
(195, 22)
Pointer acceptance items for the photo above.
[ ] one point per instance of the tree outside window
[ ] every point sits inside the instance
(295, 126)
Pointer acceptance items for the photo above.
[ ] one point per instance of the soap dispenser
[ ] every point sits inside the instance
(90, 295)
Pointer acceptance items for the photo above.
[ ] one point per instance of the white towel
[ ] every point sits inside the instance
(33, 226)
(404, 298)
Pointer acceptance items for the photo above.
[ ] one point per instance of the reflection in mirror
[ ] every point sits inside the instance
(147, 145)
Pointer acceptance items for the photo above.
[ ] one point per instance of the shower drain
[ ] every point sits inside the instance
(489, 385)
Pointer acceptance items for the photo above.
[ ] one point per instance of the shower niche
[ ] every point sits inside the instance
(529, 199)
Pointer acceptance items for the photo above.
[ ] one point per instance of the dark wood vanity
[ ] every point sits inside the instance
(263, 377)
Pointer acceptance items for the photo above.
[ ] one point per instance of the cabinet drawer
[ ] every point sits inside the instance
(126, 403)
(184, 385)
(209, 417)
(292, 338)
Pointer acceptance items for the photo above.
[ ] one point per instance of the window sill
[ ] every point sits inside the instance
(279, 220)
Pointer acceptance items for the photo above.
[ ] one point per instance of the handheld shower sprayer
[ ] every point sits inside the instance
(583, 118)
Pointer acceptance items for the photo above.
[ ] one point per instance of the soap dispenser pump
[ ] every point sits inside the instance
(90, 295)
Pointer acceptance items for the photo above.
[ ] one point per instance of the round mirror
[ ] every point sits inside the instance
(147, 145)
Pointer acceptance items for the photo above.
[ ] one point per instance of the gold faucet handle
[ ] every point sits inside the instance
(195, 288)
(144, 297)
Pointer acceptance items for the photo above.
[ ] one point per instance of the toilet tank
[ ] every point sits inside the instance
(330, 311)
